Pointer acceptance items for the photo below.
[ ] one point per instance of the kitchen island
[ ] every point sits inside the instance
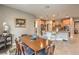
(62, 35)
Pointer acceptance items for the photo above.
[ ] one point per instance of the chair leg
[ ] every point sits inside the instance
(19, 52)
(53, 48)
(23, 50)
(16, 52)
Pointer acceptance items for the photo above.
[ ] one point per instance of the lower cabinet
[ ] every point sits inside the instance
(5, 40)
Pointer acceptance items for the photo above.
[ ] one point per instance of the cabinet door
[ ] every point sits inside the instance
(77, 26)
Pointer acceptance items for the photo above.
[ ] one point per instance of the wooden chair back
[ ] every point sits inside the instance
(19, 48)
(50, 49)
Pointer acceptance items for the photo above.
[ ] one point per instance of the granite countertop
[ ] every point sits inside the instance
(59, 35)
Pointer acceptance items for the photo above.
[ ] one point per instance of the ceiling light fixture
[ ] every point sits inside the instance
(47, 6)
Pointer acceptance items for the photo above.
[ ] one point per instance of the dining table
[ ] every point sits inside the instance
(36, 45)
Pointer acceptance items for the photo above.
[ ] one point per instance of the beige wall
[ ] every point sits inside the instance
(9, 15)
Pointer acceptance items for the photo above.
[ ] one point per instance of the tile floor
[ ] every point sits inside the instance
(70, 47)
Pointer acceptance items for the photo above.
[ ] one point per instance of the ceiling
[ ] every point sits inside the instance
(48, 10)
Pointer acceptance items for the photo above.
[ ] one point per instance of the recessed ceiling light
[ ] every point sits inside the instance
(47, 6)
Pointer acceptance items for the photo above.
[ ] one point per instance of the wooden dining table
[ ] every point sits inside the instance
(37, 44)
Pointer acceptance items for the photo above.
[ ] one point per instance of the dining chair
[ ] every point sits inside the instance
(19, 48)
(50, 49)
(42, 52)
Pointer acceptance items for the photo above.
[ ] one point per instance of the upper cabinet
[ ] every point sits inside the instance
(66, 21)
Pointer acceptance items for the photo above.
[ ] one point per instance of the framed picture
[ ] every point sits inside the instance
(20, 22)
